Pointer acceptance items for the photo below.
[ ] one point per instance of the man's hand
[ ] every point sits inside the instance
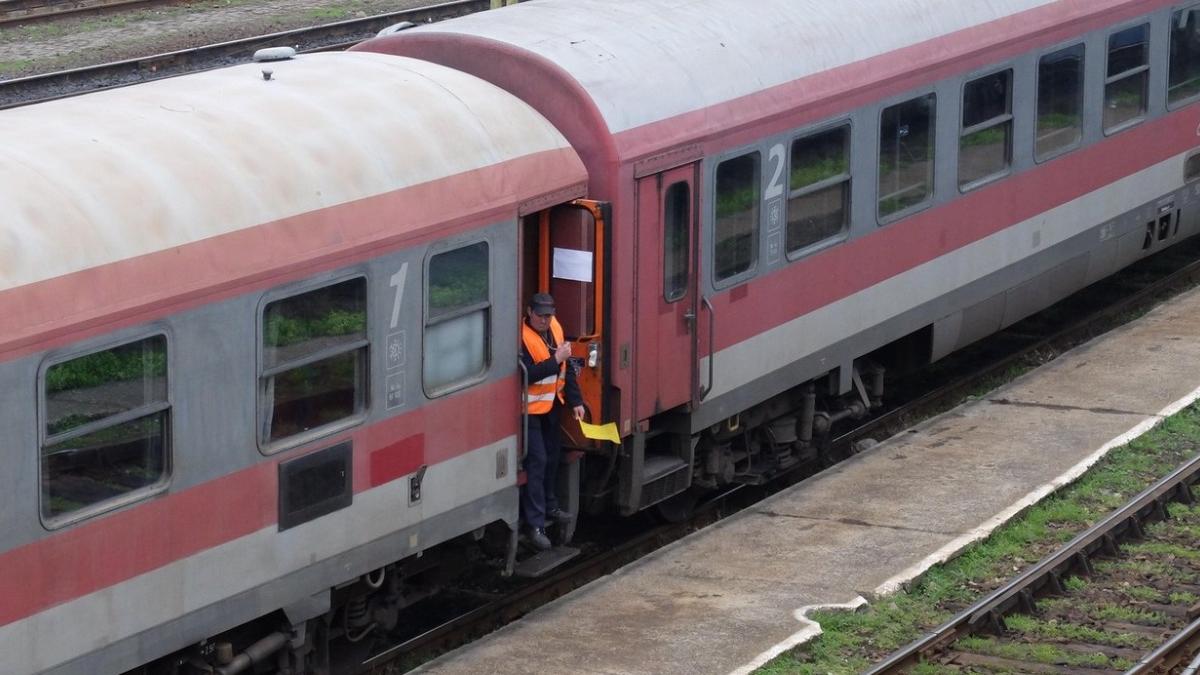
(579, 412)
(562, 352)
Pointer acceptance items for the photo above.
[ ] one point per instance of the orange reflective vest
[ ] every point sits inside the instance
(540, 397)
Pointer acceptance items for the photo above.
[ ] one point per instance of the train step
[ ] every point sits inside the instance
(541, 563)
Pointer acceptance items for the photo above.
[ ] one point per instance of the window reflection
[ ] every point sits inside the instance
(906, 154)
(314, 356)
(107, 420)
(818, 188)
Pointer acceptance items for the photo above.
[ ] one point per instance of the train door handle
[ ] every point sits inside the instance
(689, 318)
(712, 348)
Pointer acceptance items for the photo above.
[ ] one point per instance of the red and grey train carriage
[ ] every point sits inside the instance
(260, 341)
(806, 195)
(261, 329)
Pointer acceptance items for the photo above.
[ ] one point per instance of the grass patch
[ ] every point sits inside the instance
(1074, 584)
(1155, 549)
(1148, 569)
(1055, 630)
(1182, 511)
(1127, 615)
(8, 68)
(852, 641)
(328, 14)
(1038, 653)
(1142, 593)
(35, 32)
(1182, 598)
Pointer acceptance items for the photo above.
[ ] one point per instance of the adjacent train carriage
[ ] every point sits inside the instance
(259, 341)
(809, 195)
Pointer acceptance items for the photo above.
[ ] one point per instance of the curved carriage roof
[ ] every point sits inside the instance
(644, 61)
(123, 173)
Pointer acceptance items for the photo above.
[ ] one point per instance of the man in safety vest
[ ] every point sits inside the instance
(551, 383)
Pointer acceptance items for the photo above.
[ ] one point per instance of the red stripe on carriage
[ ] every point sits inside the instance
(398, 459)
(118, 546)
(896, 248)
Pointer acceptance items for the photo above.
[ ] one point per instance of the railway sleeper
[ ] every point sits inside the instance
(1107, 650)
(1014, 665)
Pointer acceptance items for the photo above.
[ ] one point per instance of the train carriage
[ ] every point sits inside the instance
(259, 375)
(807, 195)
(260, 327)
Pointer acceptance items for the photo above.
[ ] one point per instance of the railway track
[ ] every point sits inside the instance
(1102, 602)
(16, 11)
(504, 608)
(326, 37)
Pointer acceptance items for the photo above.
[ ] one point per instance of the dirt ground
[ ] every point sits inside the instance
(47, 46)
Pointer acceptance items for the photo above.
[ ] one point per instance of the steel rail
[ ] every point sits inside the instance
(1103, 536)
(1172, 652)
(326, 37)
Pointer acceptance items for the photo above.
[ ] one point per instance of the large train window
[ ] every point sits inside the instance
(818, 188)
(1183, 82)
(1059, 102)
(985, 138)
(676, 230)
(106, 429)
(906, 154)
(313, 366)
(458, 318)
(736, 226)
(1126, 85)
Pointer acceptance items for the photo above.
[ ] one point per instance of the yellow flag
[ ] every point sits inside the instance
(601, 432)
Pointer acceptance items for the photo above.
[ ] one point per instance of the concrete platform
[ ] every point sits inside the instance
(731, 597)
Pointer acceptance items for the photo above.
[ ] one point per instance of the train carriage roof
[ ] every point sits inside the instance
(649, 60)
(124, 173)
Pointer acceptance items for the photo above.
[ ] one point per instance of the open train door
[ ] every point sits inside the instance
(668, 295)
(562, 253)
(567, 250)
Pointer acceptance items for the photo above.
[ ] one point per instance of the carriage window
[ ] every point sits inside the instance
(107, 426)
(677, 203)
(1184, 79)
(458, 320)
(314, 360)
(1059, 102)
(985, 141)
(818, 188)
(906, 155)
(1127, 82)
(736, 229)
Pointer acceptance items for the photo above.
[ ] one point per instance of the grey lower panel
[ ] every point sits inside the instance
(295, 588)
(977, 309)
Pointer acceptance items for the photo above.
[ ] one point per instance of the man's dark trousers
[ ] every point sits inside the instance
(542, 453)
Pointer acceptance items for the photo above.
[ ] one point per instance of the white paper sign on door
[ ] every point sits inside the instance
(573, 264)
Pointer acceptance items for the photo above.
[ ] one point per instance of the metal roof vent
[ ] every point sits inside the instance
(395, 28)
(275, 54)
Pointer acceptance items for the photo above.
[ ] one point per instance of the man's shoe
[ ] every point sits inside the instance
(537, 537)
(560, 516)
